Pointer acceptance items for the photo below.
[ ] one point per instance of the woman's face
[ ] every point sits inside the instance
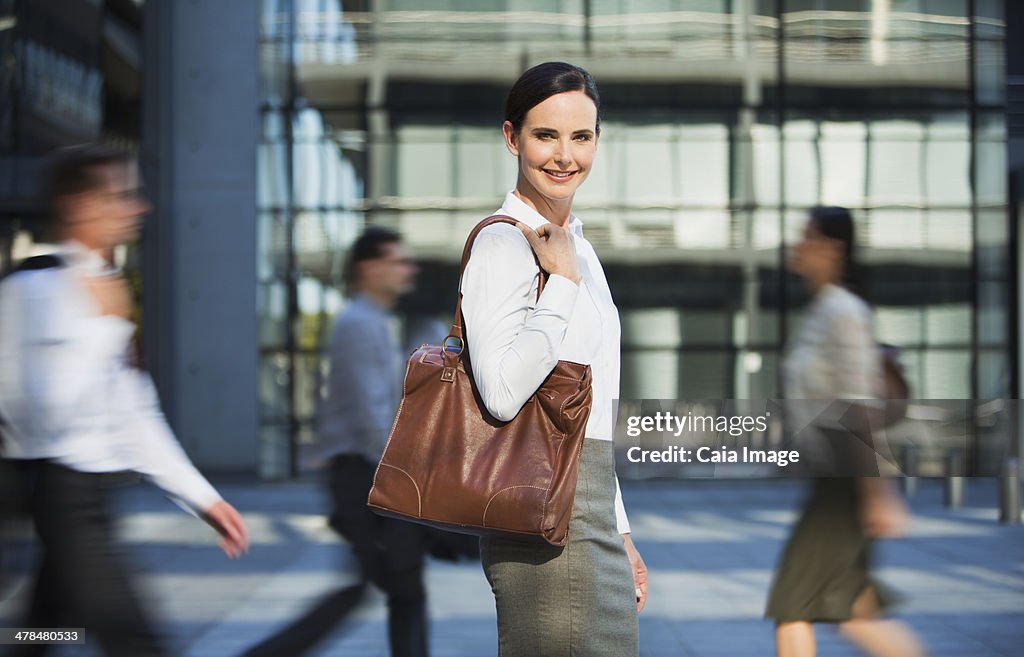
(815, 256)
(555, 145)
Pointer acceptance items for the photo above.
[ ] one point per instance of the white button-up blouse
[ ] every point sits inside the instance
(515, 339)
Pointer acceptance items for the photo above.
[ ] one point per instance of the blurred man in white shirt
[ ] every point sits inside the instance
(75, 409)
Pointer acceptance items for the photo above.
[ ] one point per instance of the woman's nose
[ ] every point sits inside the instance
(563, 154)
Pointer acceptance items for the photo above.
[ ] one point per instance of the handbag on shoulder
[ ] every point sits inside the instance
(451, 465)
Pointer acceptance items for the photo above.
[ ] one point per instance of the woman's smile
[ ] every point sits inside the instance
(560, 176)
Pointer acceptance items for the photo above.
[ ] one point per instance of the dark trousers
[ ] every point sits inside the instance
(390, 554)
(13, 501)
(82, 579)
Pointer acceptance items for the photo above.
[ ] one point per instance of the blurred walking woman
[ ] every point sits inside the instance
(825, 571)
(581, 600)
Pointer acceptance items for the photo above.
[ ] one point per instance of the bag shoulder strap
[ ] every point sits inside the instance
(458, 331)
(47, 261)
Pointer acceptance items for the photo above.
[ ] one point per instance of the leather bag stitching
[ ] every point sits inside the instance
(419, 498)
(483, 519)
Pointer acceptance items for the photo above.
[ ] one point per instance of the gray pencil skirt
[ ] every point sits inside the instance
(576, 601)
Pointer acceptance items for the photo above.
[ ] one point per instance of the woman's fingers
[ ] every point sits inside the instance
(532, 236)
(639, 569)
(554, 248)
(229, 524)
(640, 578)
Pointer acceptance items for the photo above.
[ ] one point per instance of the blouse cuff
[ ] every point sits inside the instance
(559, 296)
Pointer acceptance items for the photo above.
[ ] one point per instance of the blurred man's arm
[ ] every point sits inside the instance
(158, 456)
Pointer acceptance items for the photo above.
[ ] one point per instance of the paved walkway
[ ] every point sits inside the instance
(710, 546)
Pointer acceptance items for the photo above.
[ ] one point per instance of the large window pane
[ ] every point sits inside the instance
(896, 158)
(650, 374)
(425, 164)
(272, 305)
(843, 163)
(706, 375)
(947, 162)
(945, 374)
(703, 165)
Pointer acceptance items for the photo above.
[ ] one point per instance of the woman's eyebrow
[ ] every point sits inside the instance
(581, 131)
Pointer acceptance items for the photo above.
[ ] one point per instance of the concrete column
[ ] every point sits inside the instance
(200, 131)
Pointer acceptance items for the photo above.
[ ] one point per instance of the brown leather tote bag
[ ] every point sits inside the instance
(449, 464)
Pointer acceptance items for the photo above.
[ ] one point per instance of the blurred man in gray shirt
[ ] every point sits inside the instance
(364, 388)
(367, 363)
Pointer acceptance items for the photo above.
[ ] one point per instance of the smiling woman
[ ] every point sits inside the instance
(552, 126)
(582, 599)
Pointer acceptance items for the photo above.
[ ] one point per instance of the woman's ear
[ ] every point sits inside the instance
(511, 137)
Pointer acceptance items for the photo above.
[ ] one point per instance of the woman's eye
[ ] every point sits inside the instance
(582, 137)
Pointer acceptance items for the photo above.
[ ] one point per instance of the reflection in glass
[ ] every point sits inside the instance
(272, 244)
(946, 159)
(274, 403)
(993, 324)
(272, 306)
(705, 375)
(271, 160)
(993, 373)
(993, 260)
(803, 177)
(274, 450)
(651, 327)
(945, 374)
(990, 72)
(307, 386)
(843, 154)
(899, 325)
(947, 324)
(991, 171)
(650, 374)
(894, 174)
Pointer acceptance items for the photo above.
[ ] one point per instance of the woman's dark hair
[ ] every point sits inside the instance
(369, 246)
(544, 81)
(836, 223)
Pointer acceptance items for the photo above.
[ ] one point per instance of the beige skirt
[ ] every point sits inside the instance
(576, 601)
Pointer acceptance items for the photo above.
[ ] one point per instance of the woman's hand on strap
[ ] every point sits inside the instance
(554, 248)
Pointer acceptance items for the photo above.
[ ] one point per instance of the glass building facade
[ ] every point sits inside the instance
(723, 121)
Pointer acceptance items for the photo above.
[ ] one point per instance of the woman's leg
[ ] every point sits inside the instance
(794, 639)
(882, 638)
(876, 636)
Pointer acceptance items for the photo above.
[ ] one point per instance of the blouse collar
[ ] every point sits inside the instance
(517, 208)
